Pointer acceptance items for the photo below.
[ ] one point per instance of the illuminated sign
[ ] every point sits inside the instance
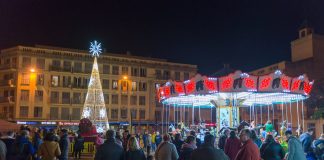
(68, 123)
(50, 123)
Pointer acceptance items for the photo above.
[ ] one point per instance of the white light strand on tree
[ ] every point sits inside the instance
(94, 106)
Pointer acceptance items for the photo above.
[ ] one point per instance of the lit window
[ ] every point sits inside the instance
(114, 84)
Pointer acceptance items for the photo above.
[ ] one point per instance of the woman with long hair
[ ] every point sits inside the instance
(271, 150)
(134, 151)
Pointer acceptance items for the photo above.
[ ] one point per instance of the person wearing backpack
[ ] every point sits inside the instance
(23, 148)
(50, 149)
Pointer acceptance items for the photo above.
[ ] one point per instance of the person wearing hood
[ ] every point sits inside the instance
(187, 148)
(207, 151)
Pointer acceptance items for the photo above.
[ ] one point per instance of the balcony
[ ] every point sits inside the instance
(77, 70)
(10, 83)
(8, 99)
(55, 68)
(79, 86)
(7, 66)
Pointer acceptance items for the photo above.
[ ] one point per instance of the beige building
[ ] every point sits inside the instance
(307, 56)
(49, 84)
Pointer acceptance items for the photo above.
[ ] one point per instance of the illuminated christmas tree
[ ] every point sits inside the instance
(94, 106)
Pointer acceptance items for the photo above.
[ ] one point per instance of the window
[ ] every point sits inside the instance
(67, 65)
(186, 76)
(133, 113)
(77, 67)
(24, 95)
(38, 96)
(54, 97)
(54, 113)
(114, 84)
(55, 81)
(38, 111)
(158, 115)
(142, 114)
(86, 82)
(76, 98)
(76, 113)
(105, 84)
(134, 86)
(114, 99)
(115, 70)
(23, 111)
(25, 79)
(158, 74)
(14, 62)
(114, 113)
(166, 75)
(177, 75)
(66, 81)
(66, 98)
(133, 100)
(142, 86)
(142, 72)
(107, 112)
(56, 65)
(77, 82)
(134, 71)
(124, 100)
(106, 69)
(106, 97)
(142, 100)
(65, 113)
(40, 79)
(87, 67)
(124, 85)
(124, 70)
(26, 62)
(7, 62)
(123, 113)
(40, 63)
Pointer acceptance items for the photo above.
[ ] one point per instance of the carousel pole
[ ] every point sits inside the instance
(163, 114)
(303, 114)
(290, 113)
(268, 112)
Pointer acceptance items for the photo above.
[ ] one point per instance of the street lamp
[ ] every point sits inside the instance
(125, 77)
(32, 70)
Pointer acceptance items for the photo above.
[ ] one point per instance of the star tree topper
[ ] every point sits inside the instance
(95, 48)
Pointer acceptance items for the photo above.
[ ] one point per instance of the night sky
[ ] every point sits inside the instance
(247, 34)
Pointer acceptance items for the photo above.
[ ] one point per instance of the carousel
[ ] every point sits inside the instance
(224, 96)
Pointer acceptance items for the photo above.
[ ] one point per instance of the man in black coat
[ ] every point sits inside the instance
(207, 151)
(110, 150)
(64, 145)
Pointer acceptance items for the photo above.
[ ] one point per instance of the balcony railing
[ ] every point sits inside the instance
(10, 82)
(7, 99)
(55, 68)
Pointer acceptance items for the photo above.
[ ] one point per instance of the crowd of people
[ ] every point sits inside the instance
(248, 144)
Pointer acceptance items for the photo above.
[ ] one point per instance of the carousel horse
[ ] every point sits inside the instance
(299, 130)
(252, 125)
(171, 128)
(283, 128)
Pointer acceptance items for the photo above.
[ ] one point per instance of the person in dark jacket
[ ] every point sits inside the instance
(9, 140)
(198, 141)
(319, 147)
(187, 148)
(222, 139)
(23, 148)
(78, 146)
(158, 139)
(134, 151)
(306, 139)
(271, 150)
(295, 148)
(249, 150)
(64, 145)
(110, 150)
(232, 145)
(207, 151)
(178, 142)
(126, 137)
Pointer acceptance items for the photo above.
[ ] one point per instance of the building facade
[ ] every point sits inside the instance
(307, 56)
(49, 84)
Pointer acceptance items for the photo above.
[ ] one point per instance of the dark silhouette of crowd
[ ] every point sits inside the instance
(230, 145)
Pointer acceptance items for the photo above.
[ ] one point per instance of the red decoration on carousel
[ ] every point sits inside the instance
(295, 85)
(249, 83)
(307, 88)
(285, 83)
(179, 88)
(190, 87)
(167, 91)
(265, 83)
(210, 85)
(227, 83)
